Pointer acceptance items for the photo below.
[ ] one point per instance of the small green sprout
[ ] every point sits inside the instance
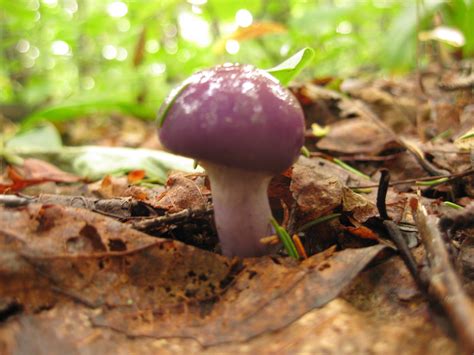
(285, 239)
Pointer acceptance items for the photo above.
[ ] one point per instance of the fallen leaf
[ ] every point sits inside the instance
(318, 189)
(356, 136)
(136, 176)
(360, 207)
(156, 287)
(363, 232)
(264, 296)
(34, 172)
(183, 191)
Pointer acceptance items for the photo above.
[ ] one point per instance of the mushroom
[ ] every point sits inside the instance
(243, 127)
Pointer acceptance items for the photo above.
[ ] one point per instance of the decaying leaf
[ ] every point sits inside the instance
(361, 208)
(156, 287)
(318, 188)
(356, 136)
(183, 192)
(33, 172)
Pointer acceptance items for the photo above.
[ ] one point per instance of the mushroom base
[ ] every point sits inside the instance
(241, 209)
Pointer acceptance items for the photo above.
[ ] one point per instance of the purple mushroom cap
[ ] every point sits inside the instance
(234, 115)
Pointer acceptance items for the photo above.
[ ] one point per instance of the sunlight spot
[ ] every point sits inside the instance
(243, 18)
(34, 5)
(122, 54)
(37, 16)
(197, 2)
(184, 55)
(123, 25)
(171, 30)
(60, 48)
(284, 49)
(196, 9)
(28, 62)
(171, 47)
(157, 68)
(109, 52)
(34, 52)
(71, 7)
(22, 46)
(449, 35)
(344, 28)
(50, 63)
(194, 29)
(117, 9)
(152, 46)
(232, 46)
(50, 3)
(229, 27)
(87, 83)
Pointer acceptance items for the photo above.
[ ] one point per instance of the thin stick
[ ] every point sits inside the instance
(394, 231)
(444, 283)
(156, 222)
(424, 178)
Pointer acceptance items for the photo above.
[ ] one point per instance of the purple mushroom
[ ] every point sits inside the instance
(243, 127)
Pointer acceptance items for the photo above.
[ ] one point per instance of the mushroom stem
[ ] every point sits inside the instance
(241, 209)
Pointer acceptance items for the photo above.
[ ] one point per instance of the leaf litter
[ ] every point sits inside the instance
(156, 287)
(125, 266)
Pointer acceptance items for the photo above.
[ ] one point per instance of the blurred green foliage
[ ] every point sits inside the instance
(67, 58)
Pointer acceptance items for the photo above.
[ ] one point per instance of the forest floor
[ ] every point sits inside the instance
(382, 203)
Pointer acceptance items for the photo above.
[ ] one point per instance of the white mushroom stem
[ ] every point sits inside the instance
(241, 209)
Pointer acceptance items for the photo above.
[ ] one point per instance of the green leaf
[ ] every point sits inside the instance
(432, 182)
(72, 110)
(46, 137)
(319, 220)
(169, 102)
(453, 205)
(291, 67)
(305, 152)
(468, 135)
(350, 168)
(285, 239)
(94, 162)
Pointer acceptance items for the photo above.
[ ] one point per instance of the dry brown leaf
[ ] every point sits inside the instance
(155, 287)
(360, 207)
(318, 188)
(33, 172)
(183, 192)
(356, 136)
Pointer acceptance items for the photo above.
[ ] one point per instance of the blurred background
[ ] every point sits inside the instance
(66, 58)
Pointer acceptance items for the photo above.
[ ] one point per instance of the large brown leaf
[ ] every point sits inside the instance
(156, 287)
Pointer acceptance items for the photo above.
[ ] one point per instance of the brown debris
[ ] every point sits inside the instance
(356, 136)
(318, 189)
(155, 287)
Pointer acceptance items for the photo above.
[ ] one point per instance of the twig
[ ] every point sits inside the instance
(156, 222)
(460, 83)
(405, 253)
(419, 157)
(444, 284)
(361, 157)
(394, 232)
(424, 178)
(119, 208)
(430, 168)
(15, 201)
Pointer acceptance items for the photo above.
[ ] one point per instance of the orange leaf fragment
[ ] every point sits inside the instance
(135, 176)
(363, 232)
(257, 29)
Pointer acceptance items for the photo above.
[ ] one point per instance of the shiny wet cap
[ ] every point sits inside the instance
(234, 115)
